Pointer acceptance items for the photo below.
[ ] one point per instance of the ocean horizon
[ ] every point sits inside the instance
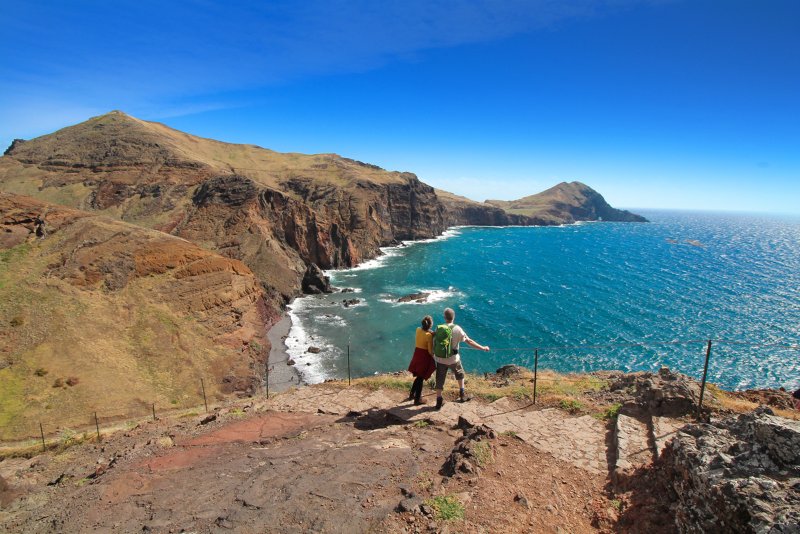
(588, 296)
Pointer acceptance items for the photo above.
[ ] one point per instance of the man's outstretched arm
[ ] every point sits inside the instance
(475, 345)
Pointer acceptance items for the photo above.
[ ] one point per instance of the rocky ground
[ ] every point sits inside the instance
(329, 458)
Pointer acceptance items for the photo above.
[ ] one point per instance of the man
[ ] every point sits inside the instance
(453, 362)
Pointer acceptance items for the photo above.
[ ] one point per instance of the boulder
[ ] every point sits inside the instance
(664, 393)
(350, 302)
(737, 474)
(315, 281)
(507, 371)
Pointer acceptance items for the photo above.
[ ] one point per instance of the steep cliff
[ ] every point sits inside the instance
(275, 212)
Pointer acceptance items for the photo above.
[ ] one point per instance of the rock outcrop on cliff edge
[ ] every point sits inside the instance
(739, 473)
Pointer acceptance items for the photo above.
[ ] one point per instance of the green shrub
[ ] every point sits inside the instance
(571, 406)
(446, 508)
(611, 412)
(482, 452)
(67, 437)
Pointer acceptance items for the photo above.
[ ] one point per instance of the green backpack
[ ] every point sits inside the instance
(441, 341)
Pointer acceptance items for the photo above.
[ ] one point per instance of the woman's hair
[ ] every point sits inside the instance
(427, 322)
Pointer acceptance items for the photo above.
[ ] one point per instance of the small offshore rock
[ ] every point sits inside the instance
(415, 297)
(350, 302)
(290, 362)
(314, 350)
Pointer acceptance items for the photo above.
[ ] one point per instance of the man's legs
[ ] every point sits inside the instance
(441, 374)
(458, 370)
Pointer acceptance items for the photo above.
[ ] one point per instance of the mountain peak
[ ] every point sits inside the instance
(566, 201)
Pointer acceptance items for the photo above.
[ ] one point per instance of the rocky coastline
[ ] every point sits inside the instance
(253, 229)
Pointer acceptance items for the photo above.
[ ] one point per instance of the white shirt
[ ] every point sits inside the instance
(458, 335)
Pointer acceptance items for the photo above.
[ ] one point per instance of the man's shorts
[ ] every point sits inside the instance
(441, 372)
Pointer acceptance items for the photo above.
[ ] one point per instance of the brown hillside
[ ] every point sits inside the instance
(566, 203)
(275, 212)
(95, 311)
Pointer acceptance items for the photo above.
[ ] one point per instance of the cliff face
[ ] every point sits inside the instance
(104, 302)
(274, 212)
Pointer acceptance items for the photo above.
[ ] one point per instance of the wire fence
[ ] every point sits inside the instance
(530, 357)
(96, 423)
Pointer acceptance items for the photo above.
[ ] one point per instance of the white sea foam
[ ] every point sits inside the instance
(390, 252)
(386, 253)
(353, 290)
(434, 295)
(331, 319)
(447, 234)
(298, 341)
(358, 304)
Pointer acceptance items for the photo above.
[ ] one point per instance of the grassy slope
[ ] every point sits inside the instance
(154, 146)
(545, 204)
(127, 348)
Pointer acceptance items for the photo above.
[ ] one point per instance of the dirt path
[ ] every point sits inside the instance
(320, 459)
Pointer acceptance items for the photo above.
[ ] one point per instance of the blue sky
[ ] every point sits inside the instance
(662, 103)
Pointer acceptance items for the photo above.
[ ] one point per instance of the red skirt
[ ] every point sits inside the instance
(422, 364)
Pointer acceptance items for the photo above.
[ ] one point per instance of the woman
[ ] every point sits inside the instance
(422, 365)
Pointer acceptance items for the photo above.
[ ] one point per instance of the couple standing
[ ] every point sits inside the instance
(438, 351)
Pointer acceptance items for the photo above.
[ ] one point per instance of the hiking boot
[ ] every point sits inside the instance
(439, 403)
(463, 397)
(418, 402)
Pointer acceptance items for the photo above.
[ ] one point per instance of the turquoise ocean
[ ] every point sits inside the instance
(589, 296)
